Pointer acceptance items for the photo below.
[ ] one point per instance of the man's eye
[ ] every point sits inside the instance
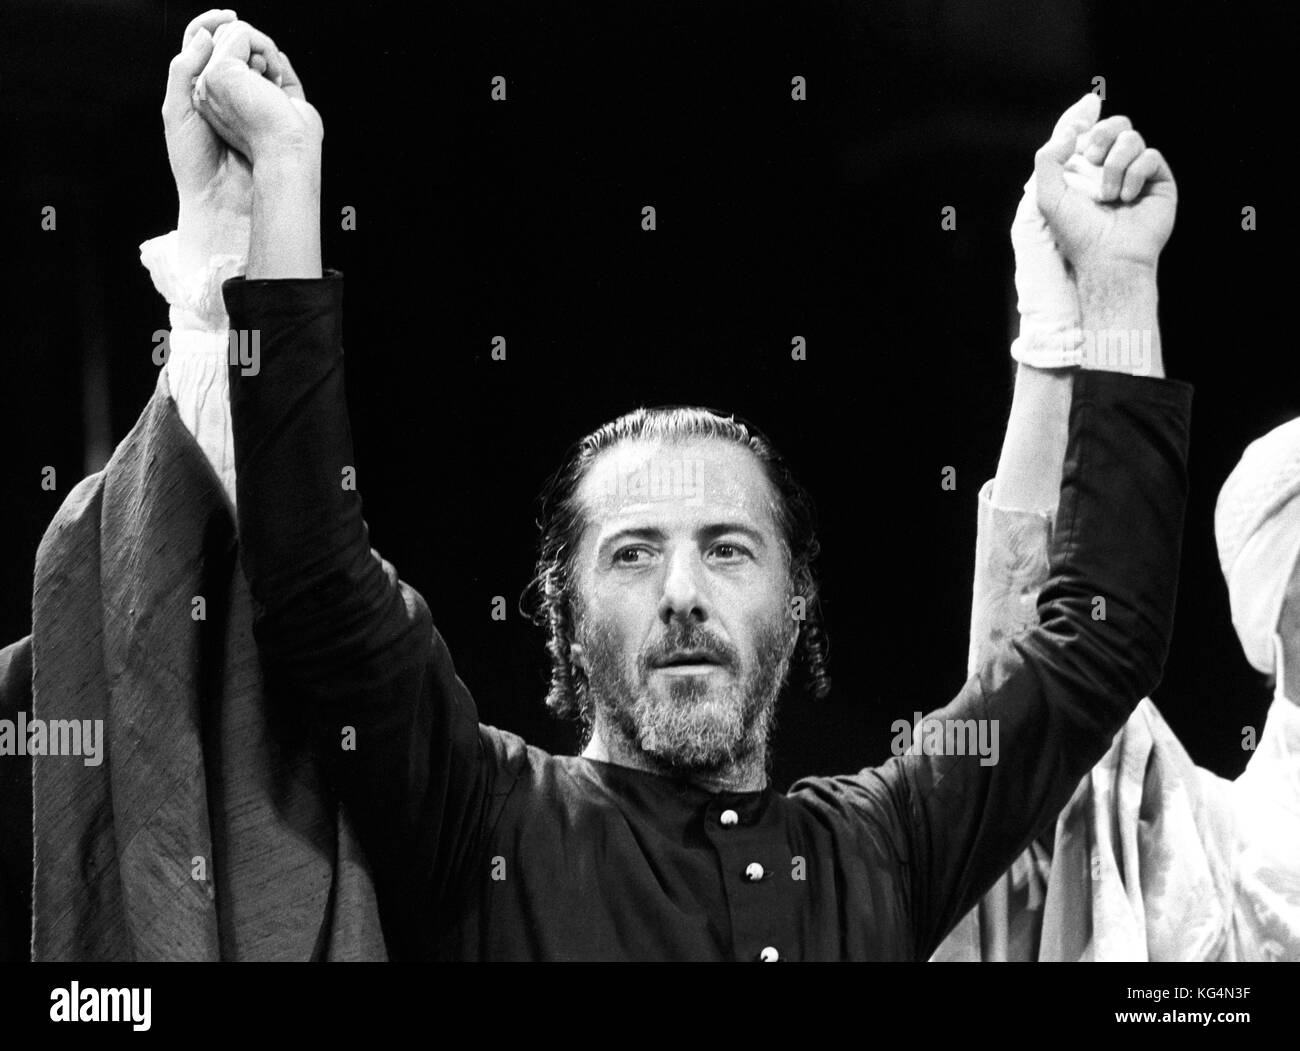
(630, 556)
(729, 552)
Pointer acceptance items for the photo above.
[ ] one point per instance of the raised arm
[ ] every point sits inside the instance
(1017, 508)
(1050, 699)
(339, 635)
(209, 244)
(1110, 229)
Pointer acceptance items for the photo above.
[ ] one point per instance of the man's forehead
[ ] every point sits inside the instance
(691, 478)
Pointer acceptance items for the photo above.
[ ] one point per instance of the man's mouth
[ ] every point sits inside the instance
(689, 662)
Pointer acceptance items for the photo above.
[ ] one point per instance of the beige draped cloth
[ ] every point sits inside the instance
(1153, 858)
(208, 831)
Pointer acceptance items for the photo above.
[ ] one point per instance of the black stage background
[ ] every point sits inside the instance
(775, 219)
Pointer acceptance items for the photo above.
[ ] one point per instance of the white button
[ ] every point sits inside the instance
(729, 817)
(769, 955)
(754, 873)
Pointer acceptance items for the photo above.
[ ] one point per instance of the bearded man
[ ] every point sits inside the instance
(676, 583)
(671, 632)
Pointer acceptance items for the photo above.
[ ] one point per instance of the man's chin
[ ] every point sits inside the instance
(701, 732)
(690, 758)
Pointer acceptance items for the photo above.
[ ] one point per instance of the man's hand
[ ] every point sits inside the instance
(279, 133)
(1129, 226)
(1111, 238)
(213, 182)
(259, 119)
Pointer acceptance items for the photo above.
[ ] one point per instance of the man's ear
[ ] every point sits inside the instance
(578, 657)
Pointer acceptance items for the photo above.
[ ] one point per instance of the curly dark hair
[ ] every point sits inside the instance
(548, 599)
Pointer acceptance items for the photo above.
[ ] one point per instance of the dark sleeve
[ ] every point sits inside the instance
(337, 632)
(1057, 694)
(15, 810)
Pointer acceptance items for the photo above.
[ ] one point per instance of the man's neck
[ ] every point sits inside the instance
(606, 746)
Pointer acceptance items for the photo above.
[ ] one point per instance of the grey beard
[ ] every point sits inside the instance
(689, 732)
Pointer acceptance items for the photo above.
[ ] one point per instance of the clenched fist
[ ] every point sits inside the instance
(1113, 227)
(1127, 228)
(214, 183)
(249, 111)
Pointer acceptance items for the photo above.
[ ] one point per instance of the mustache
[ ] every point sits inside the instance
(693, 640)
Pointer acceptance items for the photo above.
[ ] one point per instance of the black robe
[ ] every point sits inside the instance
(486, 848)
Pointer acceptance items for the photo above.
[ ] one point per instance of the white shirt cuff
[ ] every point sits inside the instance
(198, 348)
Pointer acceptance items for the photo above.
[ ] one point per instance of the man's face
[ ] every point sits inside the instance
(683, 600)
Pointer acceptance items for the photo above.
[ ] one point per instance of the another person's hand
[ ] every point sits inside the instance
(1045, 291)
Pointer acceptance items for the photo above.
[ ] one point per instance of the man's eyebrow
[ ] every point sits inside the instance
(633, 533)
(709, 532)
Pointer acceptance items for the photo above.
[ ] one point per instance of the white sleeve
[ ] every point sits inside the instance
(1011, 567)
(198, 347)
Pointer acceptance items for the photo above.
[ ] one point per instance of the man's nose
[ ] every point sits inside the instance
(685, 594)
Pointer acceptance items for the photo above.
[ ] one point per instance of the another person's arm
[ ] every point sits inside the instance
(210, 243)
